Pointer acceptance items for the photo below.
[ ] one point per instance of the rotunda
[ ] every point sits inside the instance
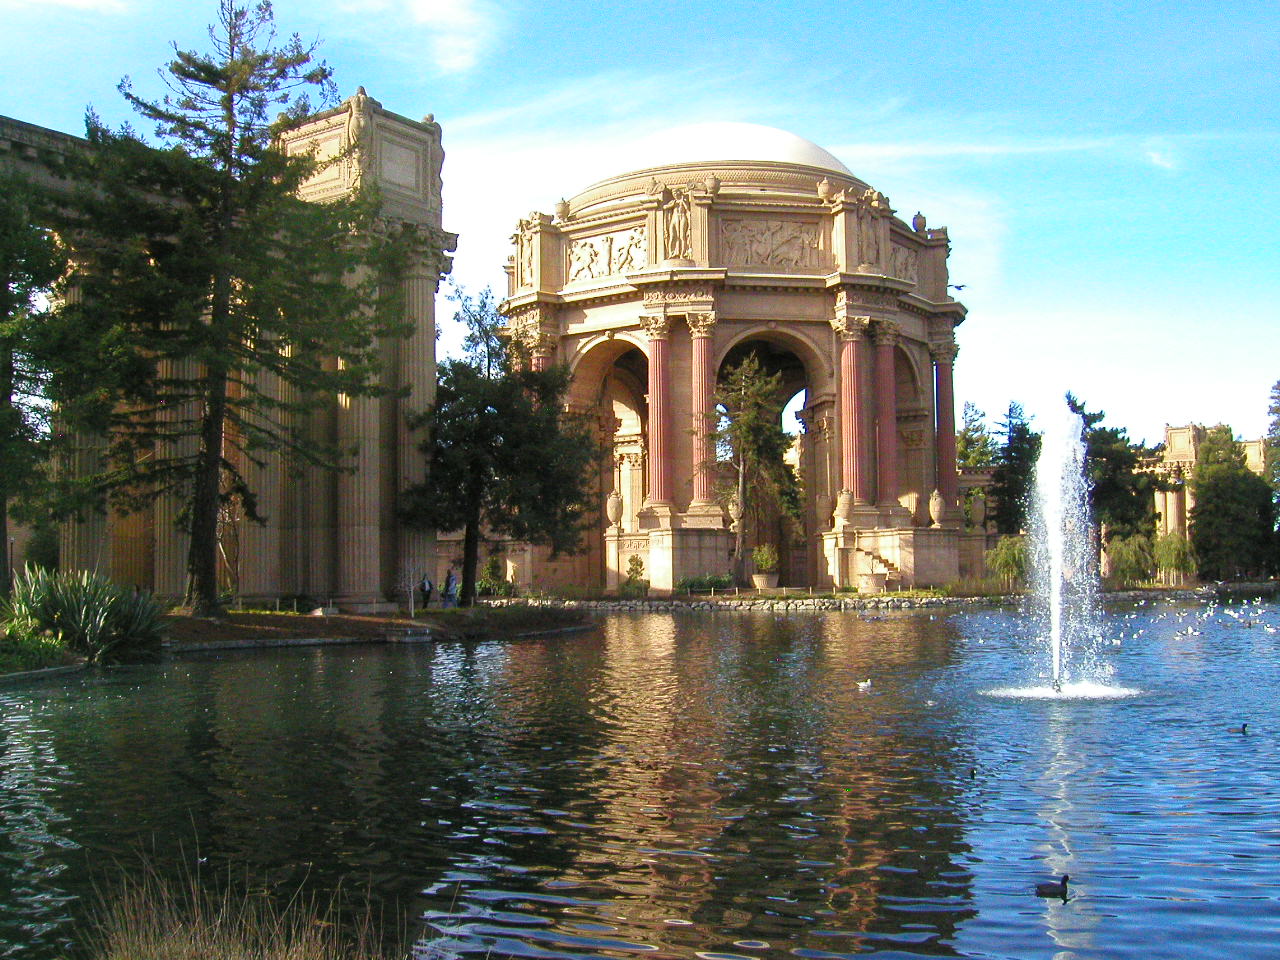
(728, 239)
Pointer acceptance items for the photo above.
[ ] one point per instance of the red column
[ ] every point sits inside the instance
(886, 415)
(944, 357)
(658, 329)
(704, 381)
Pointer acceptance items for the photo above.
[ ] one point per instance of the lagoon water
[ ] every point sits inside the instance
(709, 785)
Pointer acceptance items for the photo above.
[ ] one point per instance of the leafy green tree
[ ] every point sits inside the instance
(1131, 559)
(218, 308)
(502, 453)
(749, 435)
(1008, 560)
(1014, 472)
(1233, 520)
(1121, 499)
(32, 261)
(1174, 557)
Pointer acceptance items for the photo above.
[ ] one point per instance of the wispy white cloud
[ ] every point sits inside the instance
(93, 6)
(458, 34)
(1162, 160)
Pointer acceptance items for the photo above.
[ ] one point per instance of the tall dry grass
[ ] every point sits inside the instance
(152, 918)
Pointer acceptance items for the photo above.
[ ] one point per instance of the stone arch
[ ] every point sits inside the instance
(913, 388)
(816, 358)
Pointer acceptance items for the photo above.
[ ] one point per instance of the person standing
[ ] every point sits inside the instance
(449, 593)
(425, 589)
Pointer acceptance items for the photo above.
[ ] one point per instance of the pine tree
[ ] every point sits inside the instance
(31, 261)
(1273, 441)
(502, 453)
(205, 277)
(1121, 498)
(750, 436)
(1014, 472)
(975, 447)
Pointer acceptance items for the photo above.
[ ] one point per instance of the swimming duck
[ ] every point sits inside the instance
(1053, 889)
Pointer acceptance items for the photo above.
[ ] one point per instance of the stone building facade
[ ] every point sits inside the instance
(734, 238)
(1176, 463)
(331, 536)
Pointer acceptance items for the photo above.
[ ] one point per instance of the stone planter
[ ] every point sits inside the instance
(871, 582)
(764, 581)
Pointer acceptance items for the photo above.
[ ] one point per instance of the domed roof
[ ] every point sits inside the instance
(722, 141)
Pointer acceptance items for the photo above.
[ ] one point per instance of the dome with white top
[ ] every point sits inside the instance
(725, 142)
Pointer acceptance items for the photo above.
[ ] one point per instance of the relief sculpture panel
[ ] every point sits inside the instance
(904, 263)
(606, 255)
(788, 244)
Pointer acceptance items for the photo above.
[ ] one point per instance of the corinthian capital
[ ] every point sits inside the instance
(701, 324)
(944, 352)
(886, 331)
(850, 328)
(656, 326)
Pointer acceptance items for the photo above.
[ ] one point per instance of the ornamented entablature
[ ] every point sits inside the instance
(773, 242)
(606, 254)
(359, 141)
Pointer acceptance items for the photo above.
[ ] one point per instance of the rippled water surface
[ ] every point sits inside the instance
(718, 785)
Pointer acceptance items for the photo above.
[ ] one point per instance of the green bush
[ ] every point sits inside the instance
(83, 612)
(1130, 559)
(704, 583)
(765, 558)
(1008, 561)
(19, 653)
(491, 582)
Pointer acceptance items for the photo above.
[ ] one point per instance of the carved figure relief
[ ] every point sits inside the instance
(679, 226)
(524, 239)
(771, 243)
(607, 255)
(904, 263)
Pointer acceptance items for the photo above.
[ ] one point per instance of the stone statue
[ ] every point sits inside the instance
(679, 226)
(360, 136)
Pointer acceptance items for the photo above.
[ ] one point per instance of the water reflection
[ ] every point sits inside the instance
(726, 785)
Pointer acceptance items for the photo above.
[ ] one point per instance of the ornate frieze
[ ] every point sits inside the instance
(759, 242)
(606, 255)
(678, 295)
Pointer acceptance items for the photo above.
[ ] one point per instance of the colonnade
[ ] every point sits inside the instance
(864, 344)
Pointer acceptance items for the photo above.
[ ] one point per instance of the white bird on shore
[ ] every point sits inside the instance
(864, 685)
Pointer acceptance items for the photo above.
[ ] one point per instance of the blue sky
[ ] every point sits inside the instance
(1107, 169)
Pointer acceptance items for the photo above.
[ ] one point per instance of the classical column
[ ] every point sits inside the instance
(853, 479)
(415, 549)
(886, 335)
(658, 329)
(948, 481)
(704, 381)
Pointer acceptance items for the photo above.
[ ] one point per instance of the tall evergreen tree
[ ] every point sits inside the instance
(975, 447)
(1014, 472)
(1233, 520)
(1121, 498)
(502, 453)
(1273, 441)
(749, 435)
(219, 307)
(31, 261)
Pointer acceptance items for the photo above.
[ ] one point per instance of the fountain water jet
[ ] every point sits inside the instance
(1063, 605)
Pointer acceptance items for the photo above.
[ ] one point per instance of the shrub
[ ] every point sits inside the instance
(1008, 561)
(22, 652)
(1130, 559)
(635, 585)
(765, 558)
(705, 583)
(1174, 557)
(85, 613)
(492, 583)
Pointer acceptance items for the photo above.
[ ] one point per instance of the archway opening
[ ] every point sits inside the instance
(770, 480)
